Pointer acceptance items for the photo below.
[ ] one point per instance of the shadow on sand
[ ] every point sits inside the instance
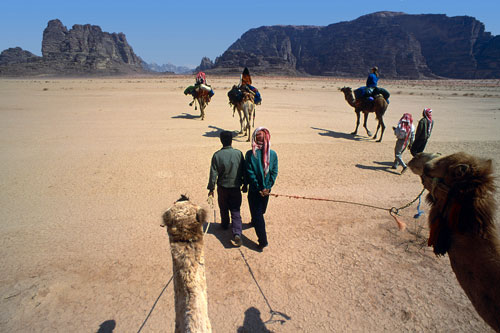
(253, 322)
(185, 115)
(107, 327)
(225, 235)
(215, 133)
(382, 166)
(339, 135)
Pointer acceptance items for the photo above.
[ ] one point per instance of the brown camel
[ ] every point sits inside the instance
(462, 224)
(378, 105)
(247, 107)
(184, 223)
(202, 98)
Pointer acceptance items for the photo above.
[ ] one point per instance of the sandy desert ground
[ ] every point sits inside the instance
(88, 167)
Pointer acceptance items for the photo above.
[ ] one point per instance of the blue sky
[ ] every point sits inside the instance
(182, 32)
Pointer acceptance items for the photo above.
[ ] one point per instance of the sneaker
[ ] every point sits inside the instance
(224, 226)
(404, 170)
(237, 240)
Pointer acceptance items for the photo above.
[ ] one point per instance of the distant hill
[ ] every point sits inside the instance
(82, 50)
(401, 45)
(169, 68)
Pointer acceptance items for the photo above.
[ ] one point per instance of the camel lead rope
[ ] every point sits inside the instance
(271, 311)
(393, 211)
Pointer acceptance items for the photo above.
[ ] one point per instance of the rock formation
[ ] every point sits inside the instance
(17, 55)
(82, 50)
(401, 45)
(205, 64)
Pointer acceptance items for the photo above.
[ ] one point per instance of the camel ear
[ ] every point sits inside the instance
(201, 215)
(166, 218)
(460, 170)
(488, 165)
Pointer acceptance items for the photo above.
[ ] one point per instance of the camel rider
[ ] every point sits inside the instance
(201, 85)
(372, 80)
(371, 86)
(246, 83)
(245, 78)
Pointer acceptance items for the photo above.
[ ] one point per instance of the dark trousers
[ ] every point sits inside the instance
(229, 200)
(258, 206)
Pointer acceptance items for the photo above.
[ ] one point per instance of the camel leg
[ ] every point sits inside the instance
(364, 124)
(202, 109)
(254, 112)
(376, 132)
(241, 120)
(246, 107)
(381, 123)
(357, 121)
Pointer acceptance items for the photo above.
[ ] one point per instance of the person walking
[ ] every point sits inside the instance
(261, 166)
(405, 133)
(424, 130)
(227, 170)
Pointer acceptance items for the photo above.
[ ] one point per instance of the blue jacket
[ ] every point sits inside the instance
(372, 80)
(254, 172)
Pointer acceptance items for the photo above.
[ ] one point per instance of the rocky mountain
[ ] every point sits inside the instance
(401, 45)
(169, 68)
(17, 55)
(82, 50)
(205, 64)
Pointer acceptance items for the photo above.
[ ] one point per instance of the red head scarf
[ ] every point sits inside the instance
(428, 115)
(406, 123)
(264, 146)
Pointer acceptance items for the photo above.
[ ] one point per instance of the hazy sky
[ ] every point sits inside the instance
(182, 32)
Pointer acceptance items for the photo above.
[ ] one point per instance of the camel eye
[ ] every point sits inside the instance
(460, 170)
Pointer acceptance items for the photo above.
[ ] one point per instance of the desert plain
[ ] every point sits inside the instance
(88, 167)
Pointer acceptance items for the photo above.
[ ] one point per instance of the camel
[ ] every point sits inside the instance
(462, 223)
(184, 222)
(247, 107)
(202, 98)
(378, 105)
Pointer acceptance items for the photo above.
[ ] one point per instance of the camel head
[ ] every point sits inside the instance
(184, 221)
(346, 90)
(460, 194)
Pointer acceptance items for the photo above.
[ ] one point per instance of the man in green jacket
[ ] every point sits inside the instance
(227, 171)
(261, 166)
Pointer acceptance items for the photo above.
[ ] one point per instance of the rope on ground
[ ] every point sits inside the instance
(153, 307)
(271, 311)
(393, 211)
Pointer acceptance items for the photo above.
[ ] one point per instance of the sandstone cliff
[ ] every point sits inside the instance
(82, 50)
(401, 45)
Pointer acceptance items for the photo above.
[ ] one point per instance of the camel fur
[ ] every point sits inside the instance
(184, 222)
(247, 108)
(378, 106)
(462, 223)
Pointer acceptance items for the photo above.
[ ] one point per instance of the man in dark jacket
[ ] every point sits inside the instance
(227, 171)
(424, 130)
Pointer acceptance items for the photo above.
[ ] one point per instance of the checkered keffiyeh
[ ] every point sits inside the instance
(264, 146)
